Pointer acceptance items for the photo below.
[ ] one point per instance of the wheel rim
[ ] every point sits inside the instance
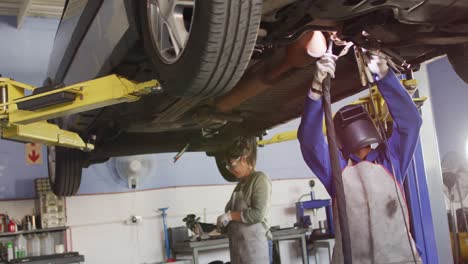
(51, 162)
(169, 23)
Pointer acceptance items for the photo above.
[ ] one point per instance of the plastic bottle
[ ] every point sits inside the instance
(29, 245)
(36, 246)
(21, 244)
(28, 223)
(11, 226)
(50, 245)
(17, 252)
(10, 251)
(47, 245)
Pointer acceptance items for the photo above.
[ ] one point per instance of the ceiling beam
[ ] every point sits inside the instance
(23, 12)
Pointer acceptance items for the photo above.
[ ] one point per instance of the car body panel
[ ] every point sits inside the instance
(74, 25)
(93, 56)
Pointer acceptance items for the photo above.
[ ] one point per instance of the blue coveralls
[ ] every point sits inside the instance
(402, 143)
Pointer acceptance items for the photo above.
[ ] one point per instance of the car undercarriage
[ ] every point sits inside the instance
(230, 69)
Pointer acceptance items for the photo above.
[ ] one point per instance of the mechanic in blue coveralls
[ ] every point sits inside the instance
(376, 208)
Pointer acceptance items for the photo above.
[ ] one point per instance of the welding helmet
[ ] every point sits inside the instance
(355, 129)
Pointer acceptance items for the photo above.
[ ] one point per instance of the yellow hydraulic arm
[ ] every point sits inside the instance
(24, 118)
(381, 114)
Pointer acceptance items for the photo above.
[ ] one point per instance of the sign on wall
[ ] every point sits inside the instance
(33, 154)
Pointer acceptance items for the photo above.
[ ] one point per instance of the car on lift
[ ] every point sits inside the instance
(227, 68)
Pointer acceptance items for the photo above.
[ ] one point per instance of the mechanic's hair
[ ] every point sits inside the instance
(242, 146)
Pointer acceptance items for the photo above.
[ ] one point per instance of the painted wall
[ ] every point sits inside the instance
(199, 169)
(98, 231)
(24, 56)
(449, 95)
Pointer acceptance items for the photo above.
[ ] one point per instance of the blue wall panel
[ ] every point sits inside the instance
(24, 55)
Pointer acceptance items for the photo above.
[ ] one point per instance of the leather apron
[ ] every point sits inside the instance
(248, 244)
(375, 218)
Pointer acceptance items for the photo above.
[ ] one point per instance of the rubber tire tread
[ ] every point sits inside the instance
(228, 176)
(458, 58)
(218, 50)
(68, 171)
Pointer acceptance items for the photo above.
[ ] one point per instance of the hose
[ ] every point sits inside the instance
(336, 170)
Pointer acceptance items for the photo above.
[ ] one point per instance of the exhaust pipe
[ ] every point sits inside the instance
(305, 51)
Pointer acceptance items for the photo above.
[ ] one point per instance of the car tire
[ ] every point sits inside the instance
(65, 168)
(458, 57)
(218, 48)
(222, 169)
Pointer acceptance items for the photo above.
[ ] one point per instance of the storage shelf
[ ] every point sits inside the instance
(42, 230)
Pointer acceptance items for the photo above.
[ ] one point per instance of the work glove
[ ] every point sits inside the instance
(377, 65)
(325, 65)
(223, 220)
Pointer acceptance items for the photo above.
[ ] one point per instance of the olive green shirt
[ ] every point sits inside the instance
(256, 189)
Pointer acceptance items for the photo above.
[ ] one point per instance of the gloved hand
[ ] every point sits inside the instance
(377, 65)
(325, 65)
(223, 220)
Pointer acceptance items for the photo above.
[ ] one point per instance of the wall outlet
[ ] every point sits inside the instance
(134, 220)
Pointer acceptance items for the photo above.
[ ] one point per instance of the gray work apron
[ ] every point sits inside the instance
(375, 218)
(248, 244)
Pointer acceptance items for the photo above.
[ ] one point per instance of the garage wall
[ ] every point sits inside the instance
(198, 169)
(449, 97)
(25, 52)
(98, 231)
(24, 55)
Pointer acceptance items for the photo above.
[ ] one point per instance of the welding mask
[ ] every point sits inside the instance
(355, 129)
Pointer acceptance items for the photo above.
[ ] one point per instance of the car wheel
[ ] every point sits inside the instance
(458, 57)
(199, 47)
(65, 166)
(228, 176)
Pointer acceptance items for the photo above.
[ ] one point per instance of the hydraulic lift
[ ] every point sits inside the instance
(24, 117)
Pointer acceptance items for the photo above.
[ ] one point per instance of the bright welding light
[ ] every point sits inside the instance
(317, 45)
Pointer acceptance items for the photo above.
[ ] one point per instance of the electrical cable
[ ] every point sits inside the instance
(136, 229)
(384, 136)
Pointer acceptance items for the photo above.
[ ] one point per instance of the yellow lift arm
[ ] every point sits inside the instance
(380, 107)
(24, 118)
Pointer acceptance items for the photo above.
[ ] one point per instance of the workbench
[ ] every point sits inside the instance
(195, 247)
